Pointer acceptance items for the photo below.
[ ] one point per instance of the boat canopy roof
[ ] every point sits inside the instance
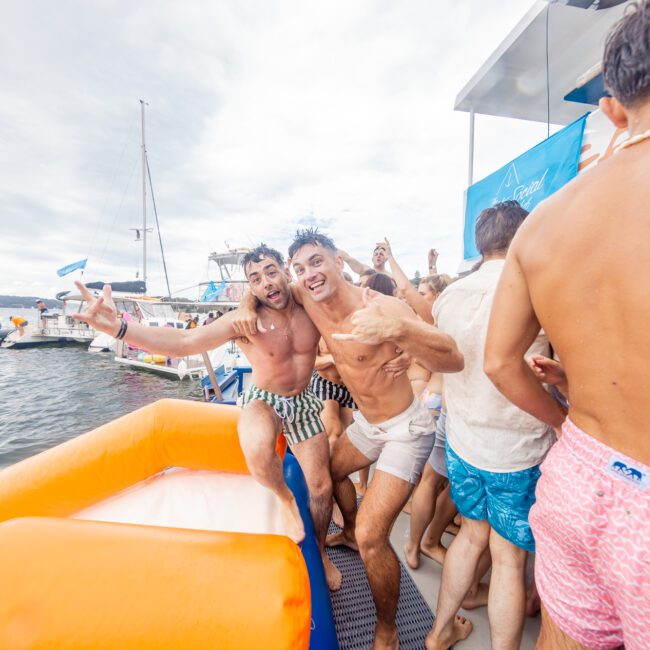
(512, 82)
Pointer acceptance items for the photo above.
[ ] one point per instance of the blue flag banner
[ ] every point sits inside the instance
(81, 264)
(212, 291)
(529, 179)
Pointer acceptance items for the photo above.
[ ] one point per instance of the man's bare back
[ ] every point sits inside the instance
(595, 305)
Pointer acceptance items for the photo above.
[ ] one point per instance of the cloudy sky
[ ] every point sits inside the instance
(262, 116)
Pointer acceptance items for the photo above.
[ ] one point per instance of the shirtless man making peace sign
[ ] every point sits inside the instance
(282, 359)
(391, 427)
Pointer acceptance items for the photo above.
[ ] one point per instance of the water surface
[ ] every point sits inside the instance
(49, 395)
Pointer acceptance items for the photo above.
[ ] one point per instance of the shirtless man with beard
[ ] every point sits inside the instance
(282, 359)
(390, 427)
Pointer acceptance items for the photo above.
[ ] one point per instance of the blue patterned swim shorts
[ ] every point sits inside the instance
(504, 499)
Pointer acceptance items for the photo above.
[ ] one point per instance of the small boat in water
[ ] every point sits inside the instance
(51, 329)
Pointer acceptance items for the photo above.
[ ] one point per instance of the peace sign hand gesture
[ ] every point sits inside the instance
(100, 313)
(370, 325)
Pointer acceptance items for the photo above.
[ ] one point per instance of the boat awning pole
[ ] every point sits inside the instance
(470, 173)
(213, 379)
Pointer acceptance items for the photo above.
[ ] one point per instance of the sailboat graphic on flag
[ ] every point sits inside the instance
(81, 264)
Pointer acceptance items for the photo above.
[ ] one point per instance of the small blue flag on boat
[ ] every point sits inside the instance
(212, 291)
(81, 264)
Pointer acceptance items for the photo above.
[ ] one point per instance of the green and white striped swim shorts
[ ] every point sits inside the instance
(300, 414)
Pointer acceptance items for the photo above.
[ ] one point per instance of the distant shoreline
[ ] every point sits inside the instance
(26, 302)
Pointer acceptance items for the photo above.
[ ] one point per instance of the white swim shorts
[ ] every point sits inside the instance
(400, 445)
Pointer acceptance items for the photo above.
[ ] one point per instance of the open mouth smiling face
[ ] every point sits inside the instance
(268, 283)
(317, 271)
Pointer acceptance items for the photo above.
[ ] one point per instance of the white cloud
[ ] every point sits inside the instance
(261, 114)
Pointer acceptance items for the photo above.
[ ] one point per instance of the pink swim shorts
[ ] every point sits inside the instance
(591, 523)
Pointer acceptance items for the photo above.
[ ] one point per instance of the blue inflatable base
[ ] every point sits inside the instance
(323, 631)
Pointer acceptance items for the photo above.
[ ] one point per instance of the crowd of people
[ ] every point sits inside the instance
(512, 396)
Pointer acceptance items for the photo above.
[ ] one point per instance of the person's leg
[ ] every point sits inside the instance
(423, 507)
(445, 511)
(258, 428)
(331, 419)
(533, 601)
(384, 500)
(551, 636)
(362, 484)
(313, 455)
(457, 575)
(507, 597)
(477, 594)
(346, 458)
(345, 415)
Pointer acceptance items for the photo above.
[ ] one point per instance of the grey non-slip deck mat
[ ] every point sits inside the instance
(354, 610)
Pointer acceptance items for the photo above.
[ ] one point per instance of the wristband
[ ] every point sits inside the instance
(122, 331)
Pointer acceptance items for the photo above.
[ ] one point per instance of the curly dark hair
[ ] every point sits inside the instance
(496, 226)
(259, 252)
(310, 236)
(626, 60)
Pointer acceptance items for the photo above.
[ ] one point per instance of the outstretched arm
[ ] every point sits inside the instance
(513, 328)
(417, 303)
(100, 313)
(432, 261)
(357, 266)
(389, 319)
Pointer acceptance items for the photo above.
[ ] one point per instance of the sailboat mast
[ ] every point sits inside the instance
(144, 199)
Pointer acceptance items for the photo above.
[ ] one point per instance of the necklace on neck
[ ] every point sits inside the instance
(635, 140)
(285, 332)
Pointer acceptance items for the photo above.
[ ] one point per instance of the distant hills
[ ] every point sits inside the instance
(27, 302)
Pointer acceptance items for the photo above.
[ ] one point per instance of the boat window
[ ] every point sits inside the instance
(157, 310)
(125, 306)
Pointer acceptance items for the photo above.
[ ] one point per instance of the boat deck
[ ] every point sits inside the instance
(427, 578)
(418, 599)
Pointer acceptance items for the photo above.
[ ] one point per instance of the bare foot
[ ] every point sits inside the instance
(478, 598)
(436, 553)
(292, 521)
(360, 489)
(342, 539)
(337, 515)
(407, 508)
(385, 640)
(460, 630)
(533, 602)
(411, 555)
(332, 574)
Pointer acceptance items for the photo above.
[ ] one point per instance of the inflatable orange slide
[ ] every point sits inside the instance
(77, 583)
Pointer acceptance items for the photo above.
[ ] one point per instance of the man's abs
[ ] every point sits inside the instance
(378, 394)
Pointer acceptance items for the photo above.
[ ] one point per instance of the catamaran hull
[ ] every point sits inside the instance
(167, 371)
(37, 342)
